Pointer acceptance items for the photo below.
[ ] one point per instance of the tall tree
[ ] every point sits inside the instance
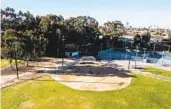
(14, 46)
(142, 39)
(8, 18)
(49, 25)
(82, 29)
(113, 29)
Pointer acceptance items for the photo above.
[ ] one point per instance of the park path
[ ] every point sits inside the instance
(45, 66)
(164, 78)
(35, 69)
(140, 67)
(8, 76)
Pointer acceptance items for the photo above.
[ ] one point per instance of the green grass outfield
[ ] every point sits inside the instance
(45, 93)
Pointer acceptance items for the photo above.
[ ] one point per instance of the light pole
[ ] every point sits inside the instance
(162, 57)
(63, 51)
(112, 45)
(101, 46)
(129, 60)
(110, 55)
(139, 45)
(144, 52)
(131, 44)
(107, 43)
(58, 49)
(137, 50)
(130, 56)
(136, 55)
(78, 48)
(154, 47)
(126, 48)
(16, 63)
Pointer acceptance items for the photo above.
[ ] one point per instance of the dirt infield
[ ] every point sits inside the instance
(93, 83)
(94, 78)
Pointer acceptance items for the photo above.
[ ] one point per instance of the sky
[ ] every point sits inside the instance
(139, 13)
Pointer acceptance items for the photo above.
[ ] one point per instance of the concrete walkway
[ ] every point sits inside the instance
(123, 64)
(164, 78)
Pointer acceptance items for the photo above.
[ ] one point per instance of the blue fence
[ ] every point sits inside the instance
(121, 54)
(74, 54)
(151, 57)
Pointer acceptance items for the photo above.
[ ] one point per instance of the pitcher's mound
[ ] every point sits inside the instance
(93, 83)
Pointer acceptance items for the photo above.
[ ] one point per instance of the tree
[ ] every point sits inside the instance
(82, 29)
(49, 26)
(142, 39)
(146, 38)
(22, 26)
(137, 39)
(114, 29)
(14, 46)
(29, 46)
(8, 17)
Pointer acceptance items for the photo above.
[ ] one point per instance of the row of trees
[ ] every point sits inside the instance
(42, 35)
(25, 36)
(20, 34)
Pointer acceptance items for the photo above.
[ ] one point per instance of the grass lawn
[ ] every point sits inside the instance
(158, 71)
(5, 62)
(45, 93)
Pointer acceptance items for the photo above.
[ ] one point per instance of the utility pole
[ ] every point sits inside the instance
(16, 63)
(129, 60)
(101, 46)
(162, 56)
(63, 51)
(126, 48)
(136, 56)
(144, 52)
(154, 47)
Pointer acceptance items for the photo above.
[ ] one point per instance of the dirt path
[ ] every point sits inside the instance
(97, 77)
(103, 78)
(8, 76)
(140, 66)
(164, 78)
